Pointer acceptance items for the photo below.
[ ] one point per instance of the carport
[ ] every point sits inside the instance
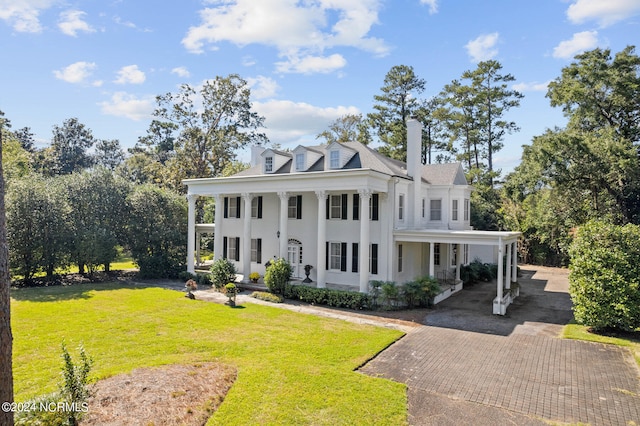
(506, 242)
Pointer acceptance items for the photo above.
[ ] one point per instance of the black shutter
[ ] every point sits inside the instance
(374, 258)
(345, 200)
(226, 207)
(237, 249)
(328, 201)
(374, 207)
(356, 208)
(259, 250)
(299, 207)
(237, 207)
(224, 246)
(326, 257)
(259, 207)
(354, 257)
(343, 257)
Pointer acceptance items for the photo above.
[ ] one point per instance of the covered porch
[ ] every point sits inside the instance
(506, 243)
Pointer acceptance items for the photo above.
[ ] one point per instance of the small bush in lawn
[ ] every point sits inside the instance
(266, 296)
(222, 272)
(278, 275)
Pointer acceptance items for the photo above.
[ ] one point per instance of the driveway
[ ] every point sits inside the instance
(468, 366)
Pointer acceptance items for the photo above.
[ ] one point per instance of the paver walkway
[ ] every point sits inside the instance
(528, 375)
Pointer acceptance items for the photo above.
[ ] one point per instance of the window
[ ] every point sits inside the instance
(268, 164)
(256, 207)
(454, 210)
(232, 207)
(354, 257)
(373, 259)
(334, 159)
(299, 162)
(466, 209)
(423, 208)
(335, 256)
(230, 248)
(401, 207)
(356, 208)
(293, 207)
(373, 206)
(435, 210)
(399, 257)
(436, 254)
(256, 250)
(335, 202)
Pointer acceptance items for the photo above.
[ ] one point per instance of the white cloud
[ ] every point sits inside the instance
(312, 64)
(71, 22)
(291, 123)
(130, 75)
(23, 15)
(606, 13)
(78, 73)
(483, 47)
(579, 43)
(123, 104)
(296, 29)
(262, 87)
(533, 86)
(433, 5)
(181, 72)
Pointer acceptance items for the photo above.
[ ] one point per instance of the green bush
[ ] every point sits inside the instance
(328, 297)
(267, 297)
(604, 282)
(277, 276)
(390, 294)
(203, 279)
(222, 272)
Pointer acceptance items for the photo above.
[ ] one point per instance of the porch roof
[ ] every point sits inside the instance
(492, 238)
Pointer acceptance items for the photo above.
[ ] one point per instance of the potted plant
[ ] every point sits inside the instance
(231, 290)
(191, 285)
(307, 271)
(254, 277)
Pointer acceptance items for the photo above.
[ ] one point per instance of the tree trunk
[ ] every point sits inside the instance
(6, 339)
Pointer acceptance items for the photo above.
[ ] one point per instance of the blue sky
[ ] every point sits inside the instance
(308, 61)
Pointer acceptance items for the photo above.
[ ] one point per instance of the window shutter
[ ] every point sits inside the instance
(374, 258)
(326, 257)
(374, 208)
(354, 257)
(356, 208)
(299, 207)
(328, 201)
(259, 208)
(343, 257)
(237, 207)
(259, 250)
(345, 200)
(226, 208)
(237, 249)
(224, 246)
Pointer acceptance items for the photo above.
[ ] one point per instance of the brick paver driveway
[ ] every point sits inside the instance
(468, 366)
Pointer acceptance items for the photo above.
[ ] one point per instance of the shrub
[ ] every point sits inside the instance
(268, 297)
(430, 289)
(604, 282)
(277, 276)
(222, 272)
(375, 291)
(203, 279)
(328, 297)
(254, 276)
(186, 276)
(390, 294)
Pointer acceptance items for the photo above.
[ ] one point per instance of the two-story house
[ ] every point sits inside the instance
(351, 213)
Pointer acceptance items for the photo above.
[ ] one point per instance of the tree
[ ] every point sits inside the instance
(25, 136)
(435, 142)
(394, 107)
(16, 161)
(108, 153)
(6, 338)
(348, 128)
(69, 148)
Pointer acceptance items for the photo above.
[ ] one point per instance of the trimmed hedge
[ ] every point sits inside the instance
(328, 297)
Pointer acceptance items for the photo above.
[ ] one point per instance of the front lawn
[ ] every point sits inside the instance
(292, 368)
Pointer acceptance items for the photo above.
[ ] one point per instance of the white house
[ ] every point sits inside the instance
(353, 214)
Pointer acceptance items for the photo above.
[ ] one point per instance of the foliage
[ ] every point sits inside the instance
(390, 294)
(230, 289)
(16, 161)
(278, 275)
(307, 370)
(254, 276)
(328, 297)
(347, 128)
(108, 154)
(70, 148)
(477, 271)
(223, 271)
(156, 232)
(267, 297)
(604, 282)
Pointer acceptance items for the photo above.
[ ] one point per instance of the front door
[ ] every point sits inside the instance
(294, 257)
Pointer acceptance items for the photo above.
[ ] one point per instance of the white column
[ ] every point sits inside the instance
(191, 238)
(432, 260)
(499, 280)
(514, 264)
(217, 232)
(365, 240)
(284, 221)
(246, 244)
(459, 256)
(507, 276)
(321, 270)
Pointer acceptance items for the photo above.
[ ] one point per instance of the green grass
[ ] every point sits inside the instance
(292, 368)
(581, 332)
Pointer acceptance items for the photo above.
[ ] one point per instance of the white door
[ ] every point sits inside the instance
(294, 252)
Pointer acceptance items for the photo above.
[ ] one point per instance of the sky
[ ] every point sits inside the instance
(308, 62)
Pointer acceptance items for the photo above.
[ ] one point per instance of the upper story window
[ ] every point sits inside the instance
(454, 210)
(295, 207)
(268, 164)
(334, 159)
(256, 207)
(435, 210)
(299, 162)
(401, 207)
(234, 207)
(335, 207)
(466, 209)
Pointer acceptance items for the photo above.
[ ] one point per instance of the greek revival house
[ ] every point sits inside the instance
(353, 214)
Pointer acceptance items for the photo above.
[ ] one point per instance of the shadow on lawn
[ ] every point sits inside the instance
(69, 292)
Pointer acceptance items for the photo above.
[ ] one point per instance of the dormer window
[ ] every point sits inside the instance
(334, 159)
(299, 162)
(268, 164)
